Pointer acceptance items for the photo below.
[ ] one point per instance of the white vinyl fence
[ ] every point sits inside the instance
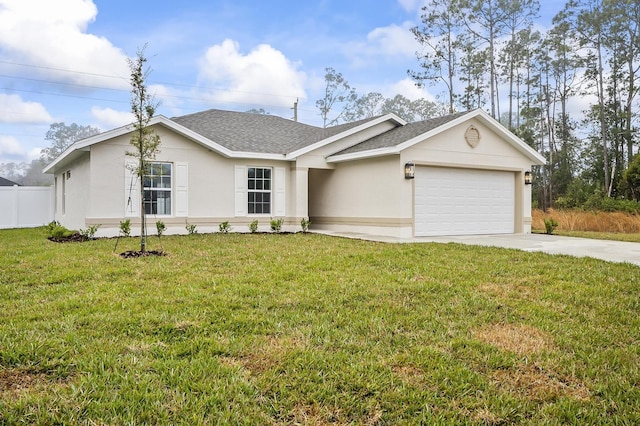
(26, 206)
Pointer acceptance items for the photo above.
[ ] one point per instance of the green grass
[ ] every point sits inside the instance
(310, 329)
(615, 236)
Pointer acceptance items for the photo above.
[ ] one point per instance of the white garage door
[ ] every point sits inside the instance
(452, 201)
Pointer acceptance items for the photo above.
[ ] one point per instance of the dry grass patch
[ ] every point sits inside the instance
(591, 221)
(267, 355)
(510, 291)
(486, 417)
(316, 415)
(15, 381)
(518, 338)
(536, 384)
(313, 415)
(409, 374)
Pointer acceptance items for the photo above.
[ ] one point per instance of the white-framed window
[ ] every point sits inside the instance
(259, 190)
(157, 189)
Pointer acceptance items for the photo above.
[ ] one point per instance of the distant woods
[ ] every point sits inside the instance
(570, 92)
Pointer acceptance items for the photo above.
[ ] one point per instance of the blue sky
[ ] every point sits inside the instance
(65, 60)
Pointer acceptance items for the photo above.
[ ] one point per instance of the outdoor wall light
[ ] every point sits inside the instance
(528, 178)
(409, 170)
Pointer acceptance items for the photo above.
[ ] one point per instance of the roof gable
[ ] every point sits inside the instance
(235, 135)
(398, 139)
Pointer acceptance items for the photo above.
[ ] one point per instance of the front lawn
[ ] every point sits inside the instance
(311, 329)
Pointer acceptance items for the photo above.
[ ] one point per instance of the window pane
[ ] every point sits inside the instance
(259, 190)
(157, 189)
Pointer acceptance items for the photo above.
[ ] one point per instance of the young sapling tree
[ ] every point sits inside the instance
(145, 142)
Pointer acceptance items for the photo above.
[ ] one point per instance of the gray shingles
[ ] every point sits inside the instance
(401, 134)
(247, 132)
(6, 182)
(269, 134)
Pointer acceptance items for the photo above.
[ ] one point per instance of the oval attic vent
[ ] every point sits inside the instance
(472, 136)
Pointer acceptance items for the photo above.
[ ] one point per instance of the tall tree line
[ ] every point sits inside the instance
(570, 92)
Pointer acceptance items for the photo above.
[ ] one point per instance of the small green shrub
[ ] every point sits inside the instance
(191, 229)
(224, 227)
(276, 225)
(125, 227)
(304, 223)
(58, 231)
(52, 225)
(90, 232)
(549, 225)
(160, 228)
(253, 226)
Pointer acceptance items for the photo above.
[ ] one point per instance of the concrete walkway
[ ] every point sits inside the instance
(612, 251)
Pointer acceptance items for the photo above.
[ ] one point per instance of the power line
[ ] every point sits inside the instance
(39, 92)
(60, 69)
(121, 78)
(61, 83)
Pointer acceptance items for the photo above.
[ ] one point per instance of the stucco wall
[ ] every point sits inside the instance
(362, 196)
(211, 196)
(316, 158)
(73, 194)
(450, 149)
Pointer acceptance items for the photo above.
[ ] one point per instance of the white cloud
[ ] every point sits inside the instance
(407, 88)
(52, 34)
(14, 110)
(392, 42)
(168, 99)
(10, 146)
(34, 154)
(411, 5)
(109, 118)
(264, 76)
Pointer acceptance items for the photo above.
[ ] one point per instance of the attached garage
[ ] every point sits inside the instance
(458, 201)
(462, 174)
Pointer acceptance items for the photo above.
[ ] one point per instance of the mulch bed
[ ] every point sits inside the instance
(138, 253)
(75, 238)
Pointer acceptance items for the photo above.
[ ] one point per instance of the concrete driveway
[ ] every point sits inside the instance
(612, 251)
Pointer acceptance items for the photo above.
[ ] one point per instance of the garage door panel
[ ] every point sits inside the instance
(452, 201)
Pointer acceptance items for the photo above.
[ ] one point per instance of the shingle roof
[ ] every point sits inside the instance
(6, 182)
(260, 133)
(401, 134)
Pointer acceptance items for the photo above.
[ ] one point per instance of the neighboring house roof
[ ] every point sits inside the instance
(7, 182)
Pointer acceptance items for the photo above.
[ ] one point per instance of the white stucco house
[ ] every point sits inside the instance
(215, 166)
